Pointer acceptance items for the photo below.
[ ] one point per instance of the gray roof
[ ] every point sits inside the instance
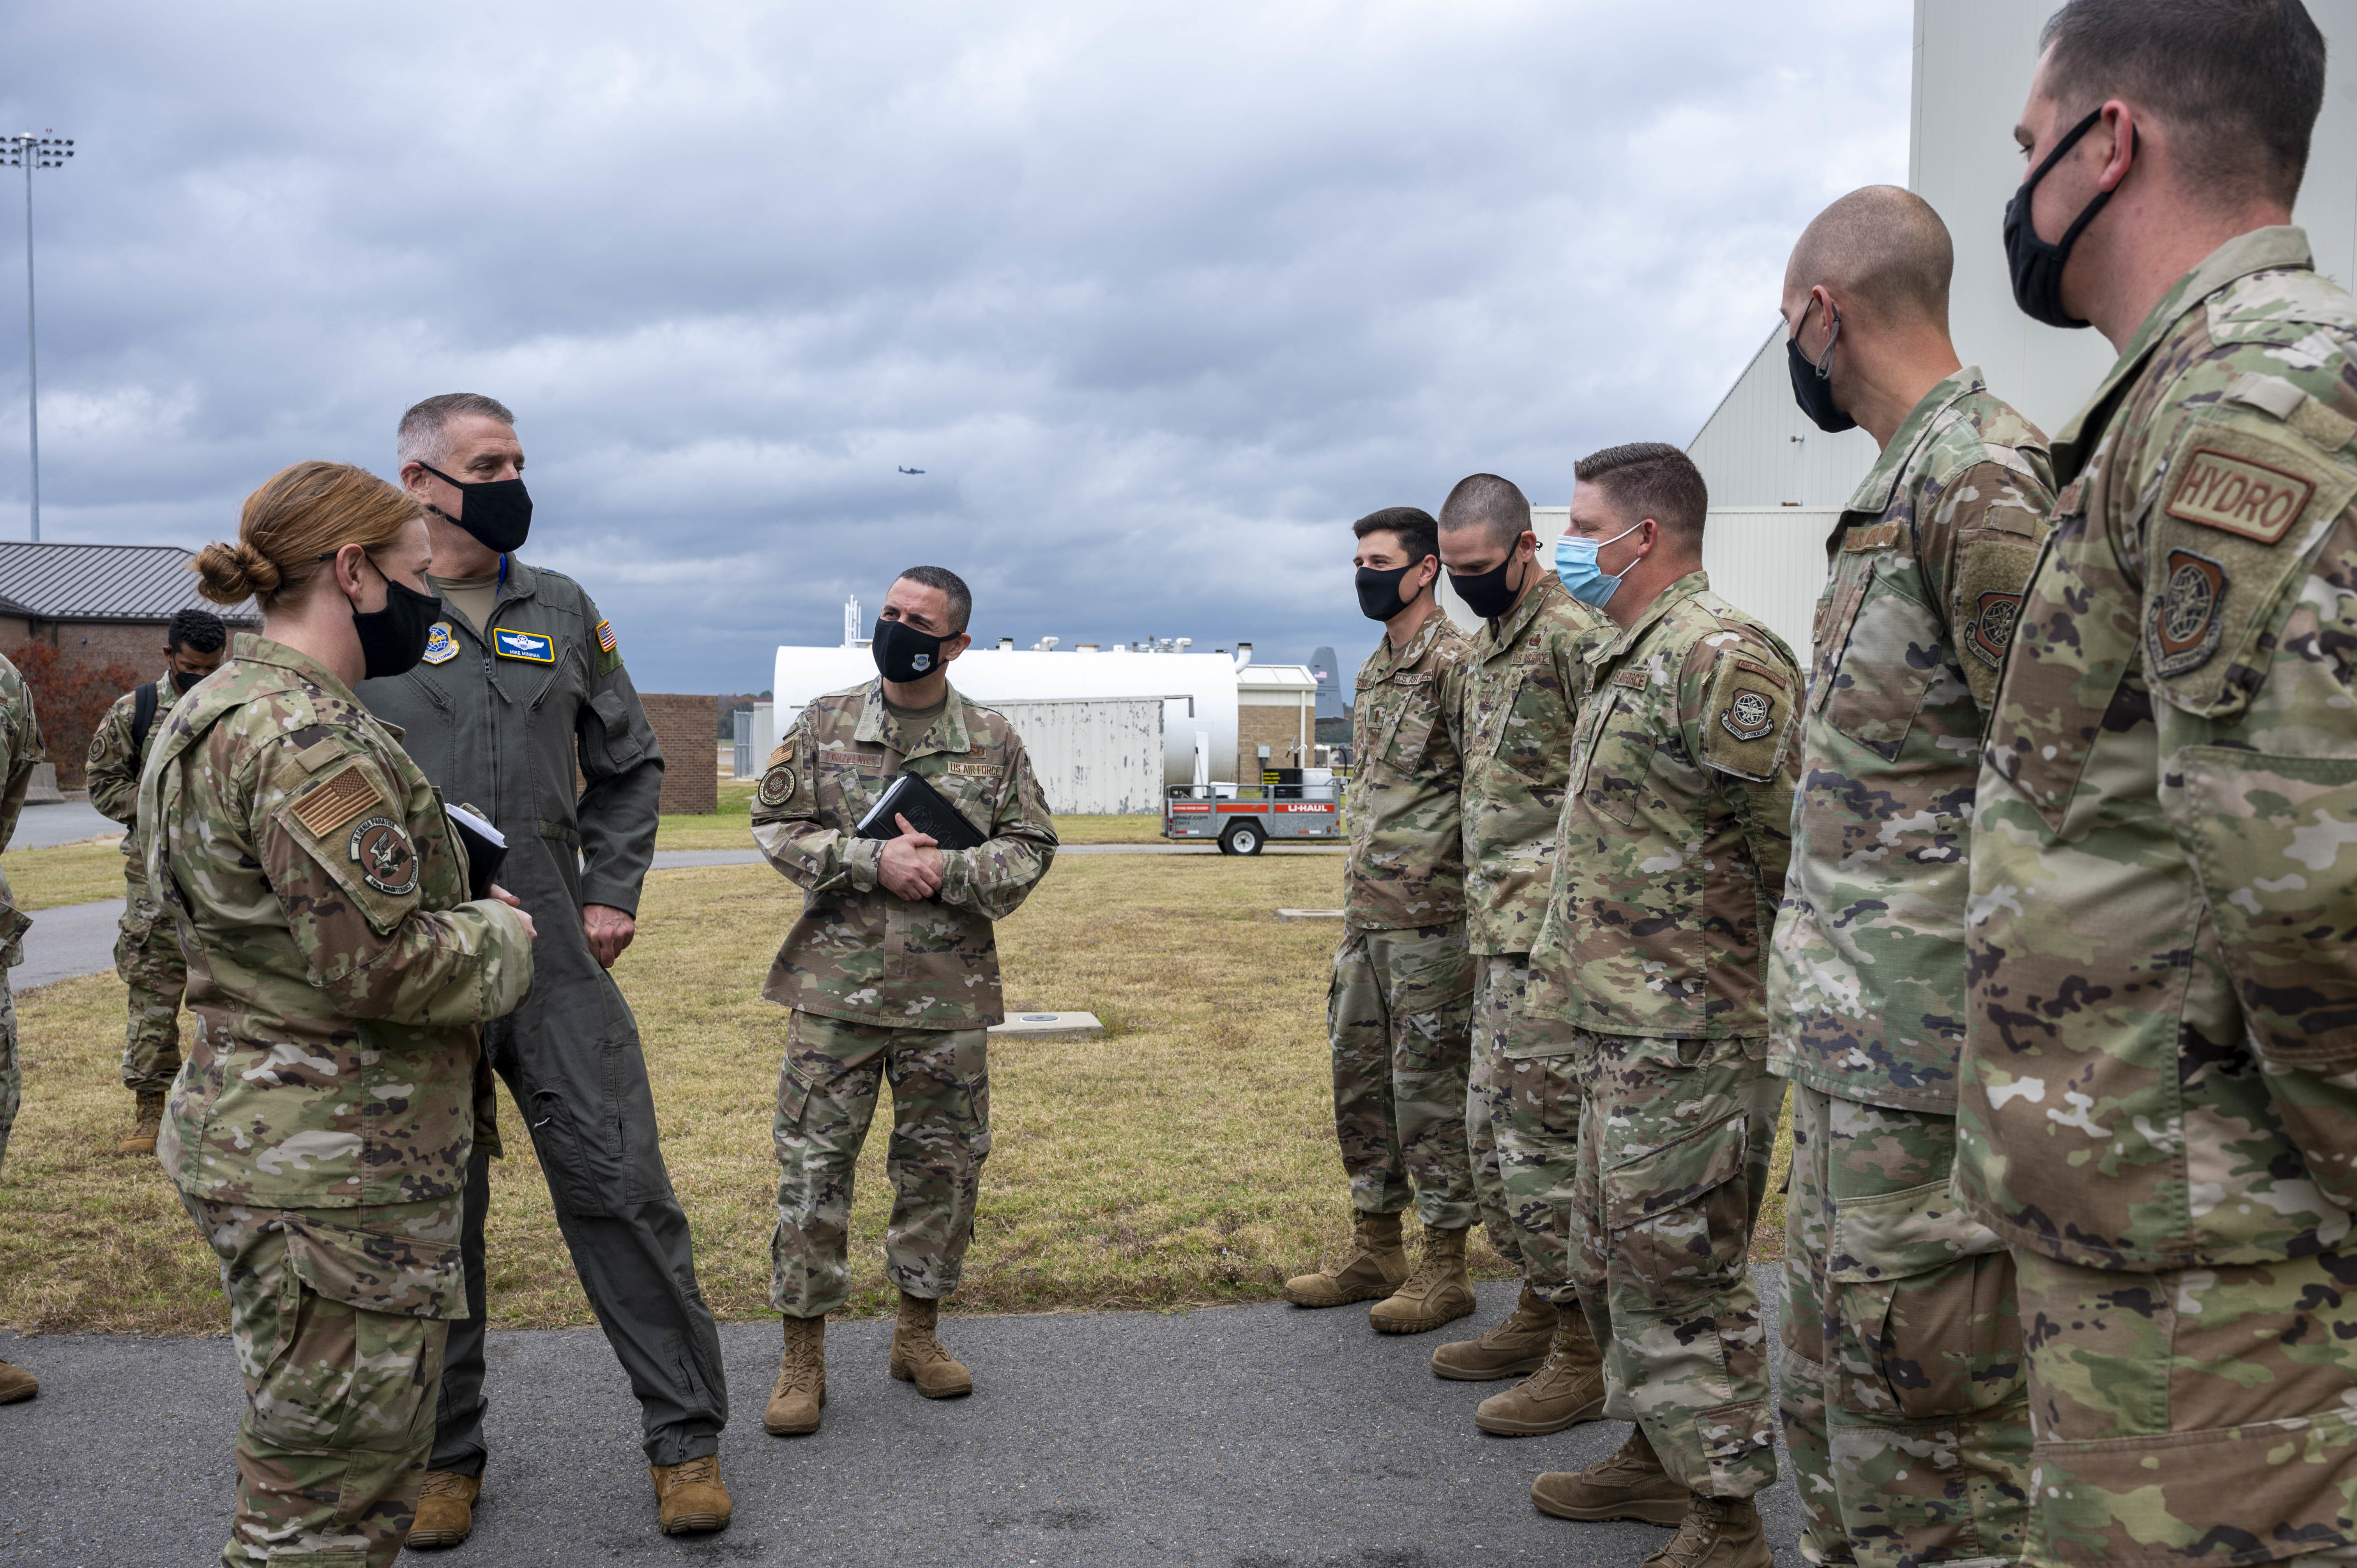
(103, 583)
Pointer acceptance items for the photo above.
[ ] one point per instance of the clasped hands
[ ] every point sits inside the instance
(911, 865)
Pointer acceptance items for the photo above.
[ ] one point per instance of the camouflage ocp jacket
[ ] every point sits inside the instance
(859, 952)
(20, 753)
(1407, 840)
(1866, 981)
(337, 973)
(2160, 1058)
(1676, 829)
(114, 765)
(1521, 707)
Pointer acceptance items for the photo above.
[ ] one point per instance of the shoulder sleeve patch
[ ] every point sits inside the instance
(2241, 509)
(335, 801)
(778, 785)
(1990, 578)
(609, 648)
(1746, 717)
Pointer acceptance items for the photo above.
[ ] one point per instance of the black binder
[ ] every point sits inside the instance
(485, 845)
(910, 797)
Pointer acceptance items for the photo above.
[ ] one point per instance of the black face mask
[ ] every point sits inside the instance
(1812, 384)
(2036, 266)
(498, 512)
(393, 640)
(184, 685)
(1379, 592)
(903, 653)
(1486, 593)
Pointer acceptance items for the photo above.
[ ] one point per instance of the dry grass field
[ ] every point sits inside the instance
(1186, 1158)
(69, 874)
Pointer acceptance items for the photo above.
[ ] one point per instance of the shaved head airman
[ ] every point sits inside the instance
(1496, 506)
(1883, 251)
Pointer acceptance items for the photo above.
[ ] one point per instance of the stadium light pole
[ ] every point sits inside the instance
(28, 151)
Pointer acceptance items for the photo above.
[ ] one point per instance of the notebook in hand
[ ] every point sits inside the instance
(910, 797)
(486, 846)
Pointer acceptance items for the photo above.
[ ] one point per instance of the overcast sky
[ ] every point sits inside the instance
(1159, 297)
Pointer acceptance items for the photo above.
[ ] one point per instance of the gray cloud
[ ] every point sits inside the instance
(1159, 297)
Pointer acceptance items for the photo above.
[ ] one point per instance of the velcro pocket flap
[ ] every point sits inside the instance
(2242, 508)
(1675, 1174)
(1747, 719)
(1894, 1235)
(358, 839)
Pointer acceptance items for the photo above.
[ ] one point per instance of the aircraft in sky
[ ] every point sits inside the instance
(912, 470)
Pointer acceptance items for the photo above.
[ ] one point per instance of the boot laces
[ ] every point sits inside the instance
(444, 1484)
(1696, 1534)
(697, 1472)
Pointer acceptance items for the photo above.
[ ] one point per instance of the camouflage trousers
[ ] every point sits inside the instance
(1500, 983)
(2192, 1416)
(1905, 1411)
(12, 1072)
(1674, 1149)
(339, 1397)
(941, 1134)
(147, 957)
(1397, 1015)
(1535, 1115)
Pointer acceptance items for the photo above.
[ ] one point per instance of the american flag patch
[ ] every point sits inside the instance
(606, 636)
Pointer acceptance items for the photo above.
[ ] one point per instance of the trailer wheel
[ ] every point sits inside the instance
(1243, 838)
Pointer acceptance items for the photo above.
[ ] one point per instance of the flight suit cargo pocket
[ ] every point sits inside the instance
(621, 745)
(564, 1158)
(1680, 1217)
(1887, 663)
(1923, 1324)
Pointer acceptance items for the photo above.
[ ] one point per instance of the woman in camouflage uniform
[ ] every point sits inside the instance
(339, 977)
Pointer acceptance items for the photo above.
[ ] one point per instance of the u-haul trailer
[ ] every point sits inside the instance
(1244, 817)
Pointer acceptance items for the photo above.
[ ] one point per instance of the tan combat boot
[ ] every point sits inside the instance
(1515, 1348)
(918, 1357)
(691, 1496)
(799, 1392)
(141, 1139)
(15, 1383)
(1374, 1267)
(446, 1508)
(1629, 1483)
(1717, 1532)
(1566, 1391)
(1438, 1292)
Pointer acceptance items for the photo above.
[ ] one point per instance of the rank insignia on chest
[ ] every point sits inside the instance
(387, 860)
(526, 645)
(1749, 715)
(1992, 626)
(440, 646)
(2185, 620)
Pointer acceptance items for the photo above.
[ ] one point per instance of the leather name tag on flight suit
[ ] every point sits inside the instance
(440, 646)
(528, 645)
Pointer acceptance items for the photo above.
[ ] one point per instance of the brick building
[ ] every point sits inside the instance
(101, 604)
(1276, 707)
(686, 728)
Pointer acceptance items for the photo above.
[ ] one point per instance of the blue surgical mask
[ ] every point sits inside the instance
(1574, 563)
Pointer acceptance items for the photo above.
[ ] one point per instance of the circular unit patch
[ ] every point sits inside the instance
(1748, 716)
(388, 861)
(777, 786)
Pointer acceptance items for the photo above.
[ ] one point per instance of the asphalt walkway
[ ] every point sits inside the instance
(1246, 1437)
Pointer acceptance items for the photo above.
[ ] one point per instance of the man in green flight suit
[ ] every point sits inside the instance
(522, 684)
(1652, 960)
(1905, 1415)
(147, 949)
(892, 970)
(2158, 1095)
